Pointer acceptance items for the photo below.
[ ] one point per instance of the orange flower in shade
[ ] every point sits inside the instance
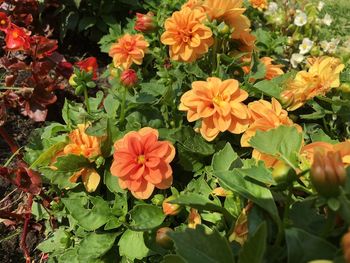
(185, 34)
(83, 144)
(88, 146)
(343, 148)
(240, 231)
(194, 218)
(141, 162)
(272, 70)
(129, 49)
(218, 104)
(4, 22)
(16, 38)
(231, 12)
(322, 76)
(259, 4)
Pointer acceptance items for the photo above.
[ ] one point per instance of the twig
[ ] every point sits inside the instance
(27, 216)
(13, 145)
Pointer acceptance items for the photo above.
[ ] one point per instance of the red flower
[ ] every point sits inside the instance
(145, 22)
(17, 39)
(128, 78)
(4, 22)
(89, 65)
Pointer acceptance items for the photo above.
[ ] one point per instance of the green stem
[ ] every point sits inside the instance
(122, 109)
(86, 96)
(214, 52)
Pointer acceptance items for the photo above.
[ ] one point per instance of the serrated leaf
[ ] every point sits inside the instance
(259, 195)
(273, 87)
(197, 246)
(223, 160)
(283, 142)
(146, 217)
(132, 245)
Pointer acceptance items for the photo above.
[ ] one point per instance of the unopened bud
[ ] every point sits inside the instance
(162, 238)
(194, 218)
(129, 78)
(327, 173)
(170, 209)
(145, 22)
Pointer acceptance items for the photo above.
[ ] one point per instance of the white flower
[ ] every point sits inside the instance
(327, 20)
(320, 6)
(325, 45)
(305, 46)
(272, 8)
(296, 59)
(300, 18)
(333, 44)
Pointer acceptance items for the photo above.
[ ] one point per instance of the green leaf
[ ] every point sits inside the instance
(111, 182)
(259, 173)
(71, 163)
(111, 105)
(223, 160)
(283, 142)
(304, 247)
(77, 3)
(89, 219)
(46, 156)
(273, 87)
(254, 249)
(96, 245)
(146, 217)
(58, 241)
(173, 259)
(197, 246)
(132, 245)
(198, 145)
(260, 195)
(59, 178)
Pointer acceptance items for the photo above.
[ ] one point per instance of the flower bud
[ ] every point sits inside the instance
(129, 78)
(145, 22)
(327, 173)
(345, 243)
(162, 239)
(72, 81)
(240, 231)
(223, 29)
(170, 209)
(283, 173)
(345, 87)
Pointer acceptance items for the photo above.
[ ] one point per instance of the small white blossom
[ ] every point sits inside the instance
(272, 8)
(325, 45)
(333, 45)
(296, 59)
(305, 46)
(300, 18)
(327, 20)
(320, 6)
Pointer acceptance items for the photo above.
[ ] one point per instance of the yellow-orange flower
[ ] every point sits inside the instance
(129, 49)
(82, 144)
(265, 116)
(141, 162)
(186, 35)
(259, 4)
(231, 12)
(272, 70)
(194, 4)
(322, 76)
(218, 104)
(88, 146)
(194, 218)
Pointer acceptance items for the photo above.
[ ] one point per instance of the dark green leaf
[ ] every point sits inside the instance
(146, 217)
(197, 246)
(132, 245)
(96, 245)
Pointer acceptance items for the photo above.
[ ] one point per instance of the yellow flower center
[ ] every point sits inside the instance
(90, 68)
(3, 21)
(217, 100)
(141, 159)
(15, 34)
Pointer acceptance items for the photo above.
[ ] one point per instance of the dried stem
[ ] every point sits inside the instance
(11, 143)
(25, 228)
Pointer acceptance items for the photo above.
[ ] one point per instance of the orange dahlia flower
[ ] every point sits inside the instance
(141, 162)
(265, 116)
(129, 49)
(194, 4)
(231, 12)
(272, 70)
(88, 146)
(218, 104)
(259, 4)
(185, 34)
(322, 76)
(83, 144)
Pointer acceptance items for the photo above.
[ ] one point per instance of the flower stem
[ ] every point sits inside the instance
(122, 109)
(86, 96)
